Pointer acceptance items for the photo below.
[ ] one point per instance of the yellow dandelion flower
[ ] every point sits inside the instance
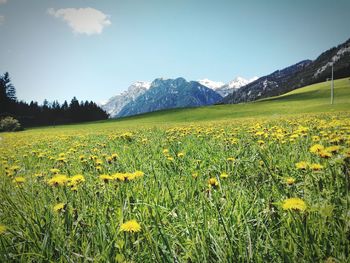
(115, 156)
(294, 204)
(139, 173)
(290, 180)
(195, 175)
(77, 179)
(119, 177)
(316, 148)
(166, 151)
(19, 180)
(106, 178)
(333, 149)
(3, 229)
(223, 175)
(180, 154)
(230, 159)
(316, 167)
(130, 226)
(325, 154)
(302, 165)
(59, 207)
(54, 170)
(58, 180)
(170, 159)
(129, 176)
(213, 182)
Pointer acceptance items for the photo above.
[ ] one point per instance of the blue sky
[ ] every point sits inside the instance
(94, 49)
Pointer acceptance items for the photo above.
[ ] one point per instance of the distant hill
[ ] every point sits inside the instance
(169, 94)
(301, 74)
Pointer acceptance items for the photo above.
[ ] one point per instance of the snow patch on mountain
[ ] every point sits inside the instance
(115, 104)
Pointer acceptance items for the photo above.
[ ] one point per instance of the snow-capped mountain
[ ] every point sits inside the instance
(169, 94)
(115, 104)
(211, 84)
(225, 89)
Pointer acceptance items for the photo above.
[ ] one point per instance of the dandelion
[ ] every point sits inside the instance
(316, 148)
(119, 177)
(230, 159)
(54, 170)
(213, 182)
(139, 173)
(223, 175)
(180, 154)
(130, 226)
(316, 167)
(77, 179)
(302, 165)
(106, 178)
(115, 156)
(58, 180)
(194, 175)
(19, 180)
(325, 154)
(290, 180)
(59, 207)
(3, 229)
(333, 149)
(294, 204)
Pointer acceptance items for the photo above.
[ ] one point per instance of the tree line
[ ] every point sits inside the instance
(49, 113)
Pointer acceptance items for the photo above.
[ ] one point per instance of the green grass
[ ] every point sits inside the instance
(248, 152)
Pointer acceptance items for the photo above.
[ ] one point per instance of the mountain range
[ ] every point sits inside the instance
(301, 74)
(160, 94)
(142, 96)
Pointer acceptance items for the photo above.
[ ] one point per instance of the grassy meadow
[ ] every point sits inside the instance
(259, 182)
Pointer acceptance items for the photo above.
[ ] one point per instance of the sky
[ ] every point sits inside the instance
(94, 49)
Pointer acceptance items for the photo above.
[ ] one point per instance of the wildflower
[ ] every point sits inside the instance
(130, 226)
(129, 176)
(302, 165)
(194, 175)
(325, 154)
(316, 167)
(59, 207)
(106, 178)
(119, 177)
(3, 229)
(54, 170)
(114, 156)
(290, 180)
(294, 204)
(180, 154)
(19, 180)
(139, 173)
(213, 182)
(58, 180)
(316, 148)
(77, 179)
(99, 168)
(333, 149)
(230, 159)
(261, 142)
(223, 175)
(170, 159)
(166, 151)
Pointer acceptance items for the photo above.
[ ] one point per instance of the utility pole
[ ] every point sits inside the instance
(332, 87)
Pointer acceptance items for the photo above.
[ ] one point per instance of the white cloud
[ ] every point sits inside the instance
(2, 19)
(82, 20)
(3, 2)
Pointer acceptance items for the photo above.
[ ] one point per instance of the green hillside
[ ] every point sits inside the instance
(311, 99)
